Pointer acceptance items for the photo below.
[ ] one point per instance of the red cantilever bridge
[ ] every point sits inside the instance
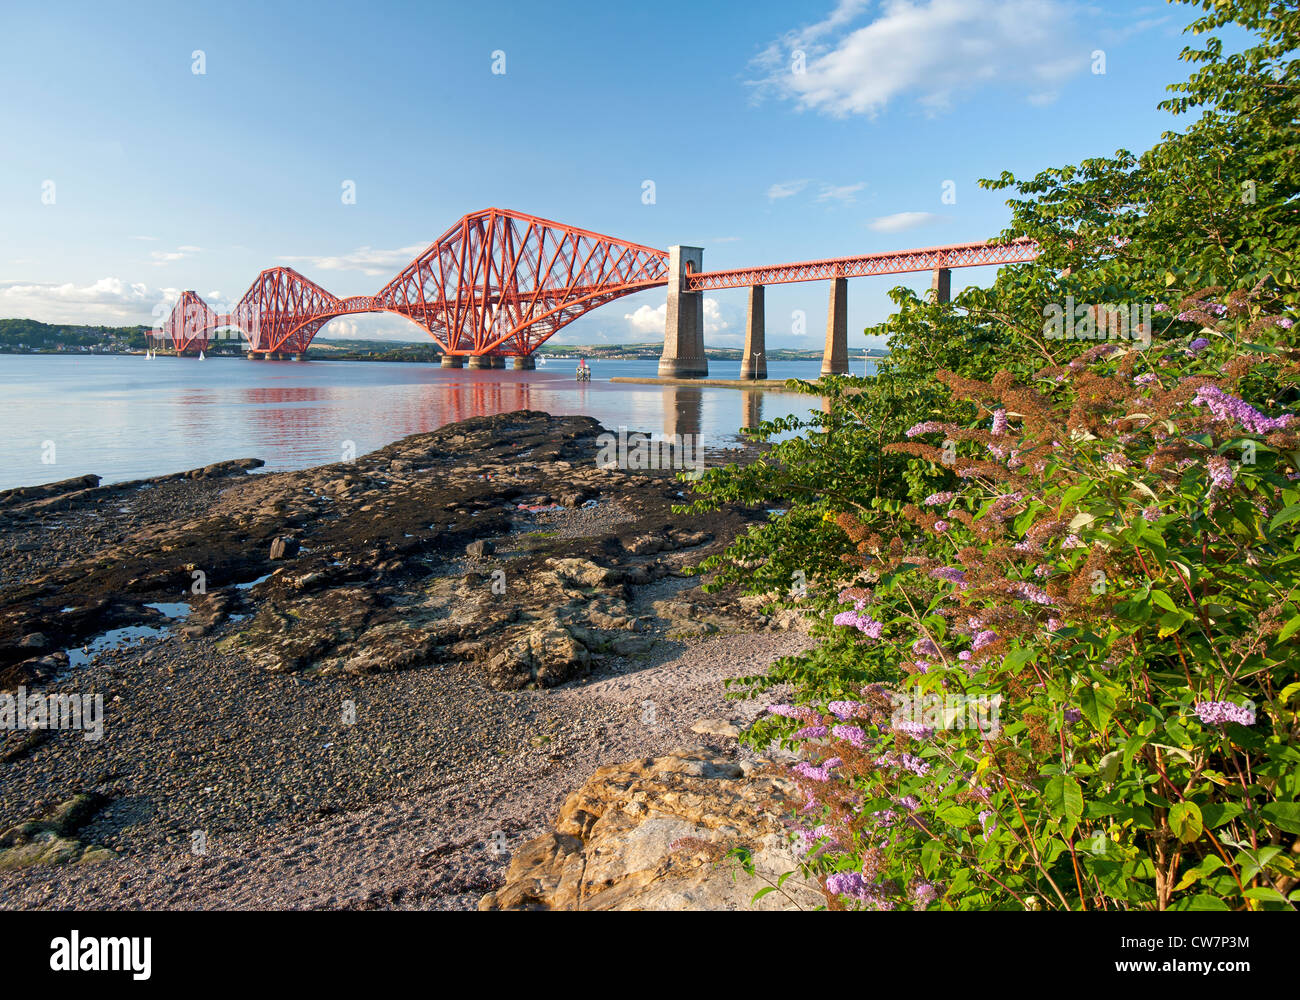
(499, 284)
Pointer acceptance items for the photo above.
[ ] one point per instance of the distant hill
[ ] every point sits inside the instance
(32, 335)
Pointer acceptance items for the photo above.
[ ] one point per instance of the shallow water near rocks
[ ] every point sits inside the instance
(155, 418)
(111, 640)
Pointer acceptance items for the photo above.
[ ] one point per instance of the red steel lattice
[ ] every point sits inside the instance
(189, 323)
(497, 282)
(887, 262)
(502, 282)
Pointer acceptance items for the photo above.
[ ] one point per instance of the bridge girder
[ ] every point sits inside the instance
(503, 282)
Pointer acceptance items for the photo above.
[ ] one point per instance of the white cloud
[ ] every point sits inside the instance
(842, 193)
(108, 301)
(168, 256)
(900, 221)
(931, 50)
(651, 321)
(367, 260)
(374, 326)
(786, 189)
(647, 320)
(1114, 36)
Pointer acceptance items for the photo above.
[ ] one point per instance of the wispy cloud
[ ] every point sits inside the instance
(930, 50)
(367, 260)
(900, 221)
(786, 189)
(843, 193)
(170, 256)
(1113, 36)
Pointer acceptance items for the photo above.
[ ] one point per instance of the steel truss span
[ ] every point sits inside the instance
(888, 262)
(503, 283)
(497, 282)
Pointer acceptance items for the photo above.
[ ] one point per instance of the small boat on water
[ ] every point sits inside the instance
(201, 358)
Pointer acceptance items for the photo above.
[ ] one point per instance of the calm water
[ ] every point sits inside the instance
(129, 418)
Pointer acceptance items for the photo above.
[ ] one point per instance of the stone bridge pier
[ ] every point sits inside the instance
(753, 363)
(683, 355)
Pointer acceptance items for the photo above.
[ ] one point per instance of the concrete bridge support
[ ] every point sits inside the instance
(453, 361)
(525, 363)
(835, 360)
(941, 284)
(480, 361)
(753, 364)
(496, 361)
(256, 355)
(683, 355)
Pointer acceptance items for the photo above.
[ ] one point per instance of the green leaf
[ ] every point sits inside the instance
(955, 815)
(931, 855)
(1285, 815)
(1215, 814)
(1201, 902)
(1185, 821)
(1171, 622)
(1064, 800)
(1266, 894)
(1108, 767)
(1289, 629)
(1097, 704)
(1285, 516)
(1253, 862)
(1161, 599)
(1073, 494)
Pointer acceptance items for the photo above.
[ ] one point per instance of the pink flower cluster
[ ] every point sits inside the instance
(864, 623)
(1217, 713)
(1226, 407)
(813, 773)
(850, 734)
(853, 885)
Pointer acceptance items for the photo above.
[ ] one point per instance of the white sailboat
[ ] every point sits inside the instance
(200, 355)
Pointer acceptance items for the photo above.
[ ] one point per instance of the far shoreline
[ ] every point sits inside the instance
(718, 358)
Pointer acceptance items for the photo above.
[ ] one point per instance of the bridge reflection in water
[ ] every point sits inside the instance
(298, 424)
(157, 417)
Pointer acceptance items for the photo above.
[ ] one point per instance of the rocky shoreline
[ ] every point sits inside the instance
(361, 685)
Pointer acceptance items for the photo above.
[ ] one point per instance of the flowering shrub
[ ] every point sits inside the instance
(1057, 616)
(1112, 578)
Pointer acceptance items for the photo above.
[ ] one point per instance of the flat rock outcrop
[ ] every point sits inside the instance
(431, 550)
(655, 834)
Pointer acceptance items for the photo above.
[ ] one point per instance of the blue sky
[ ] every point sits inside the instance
(163, 179)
